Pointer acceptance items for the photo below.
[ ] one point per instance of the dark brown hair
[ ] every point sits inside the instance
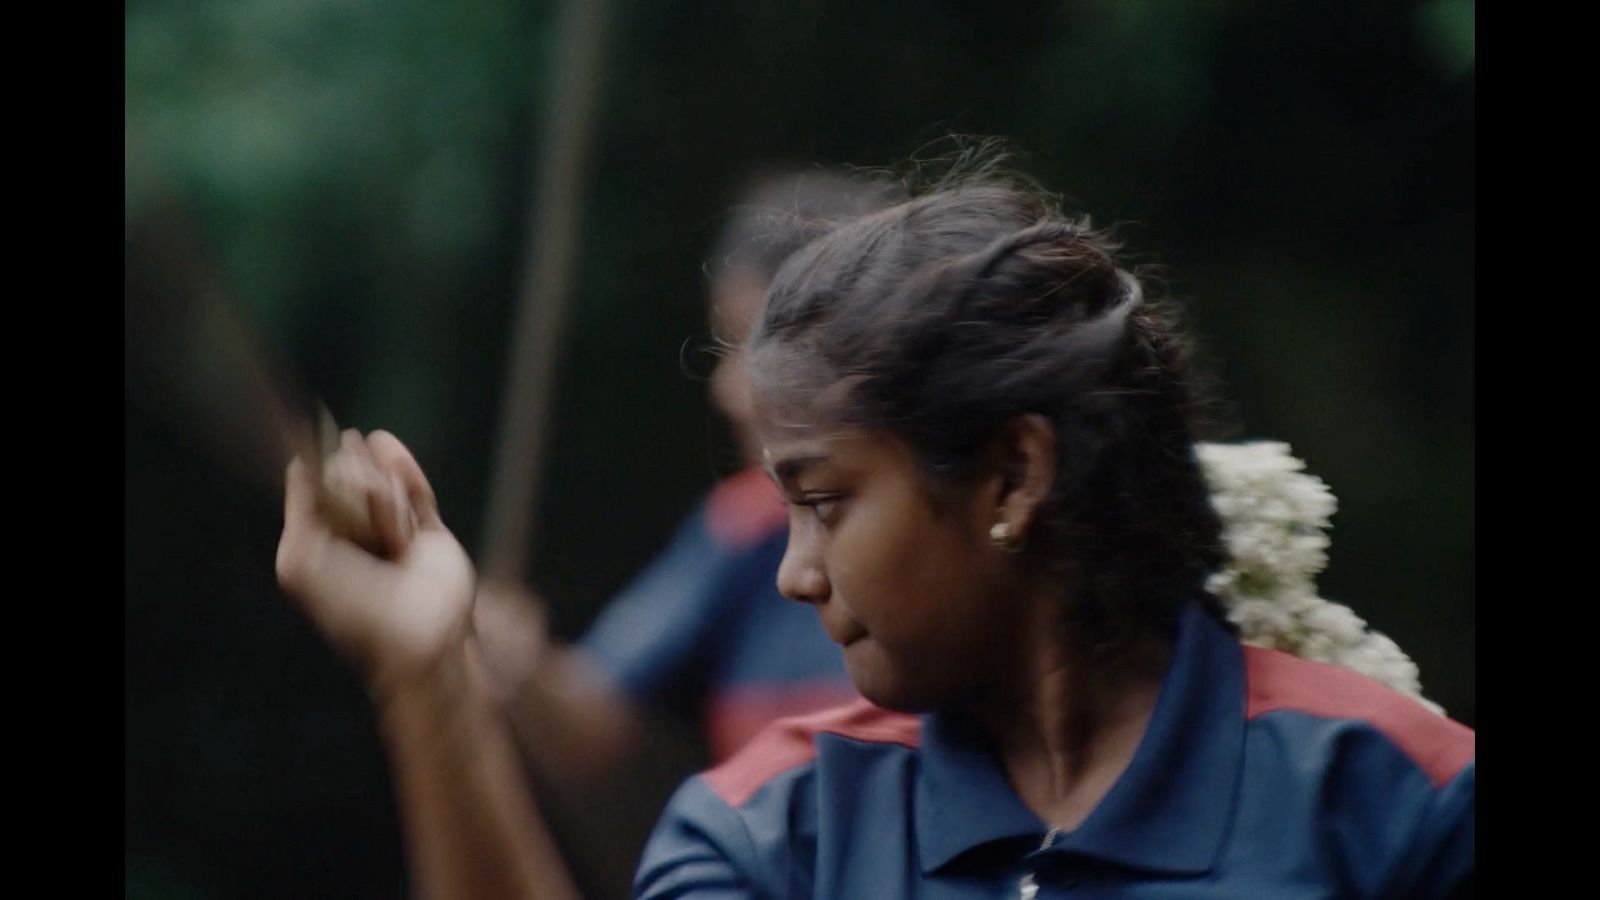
(945, 316)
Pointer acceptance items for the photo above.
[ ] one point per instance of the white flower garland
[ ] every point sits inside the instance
(1274, 518)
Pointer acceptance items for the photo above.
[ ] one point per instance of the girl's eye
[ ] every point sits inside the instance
(824, 507)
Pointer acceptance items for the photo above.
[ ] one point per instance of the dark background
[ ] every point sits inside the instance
(356, 179)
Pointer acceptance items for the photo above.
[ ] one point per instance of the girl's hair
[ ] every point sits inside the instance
(945, 316)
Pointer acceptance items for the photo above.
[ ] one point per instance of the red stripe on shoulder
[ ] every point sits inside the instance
(745, 508)
(738, 713)
(789, 743)
(1280, 681)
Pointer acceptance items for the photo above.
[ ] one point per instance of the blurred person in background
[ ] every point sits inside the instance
(701, 635)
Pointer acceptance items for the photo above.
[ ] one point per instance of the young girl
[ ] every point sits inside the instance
(982, 427)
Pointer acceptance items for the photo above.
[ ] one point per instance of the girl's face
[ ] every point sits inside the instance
(913, 589)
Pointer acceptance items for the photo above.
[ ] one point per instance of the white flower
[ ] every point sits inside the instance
(1339, 623)
(1262, 622)
(1318, 647)
(1274, 517)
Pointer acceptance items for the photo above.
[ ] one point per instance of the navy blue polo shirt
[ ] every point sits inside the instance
(702, 633)
(1260, 775)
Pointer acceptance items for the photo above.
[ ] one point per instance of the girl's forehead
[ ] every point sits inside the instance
(784, 451)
